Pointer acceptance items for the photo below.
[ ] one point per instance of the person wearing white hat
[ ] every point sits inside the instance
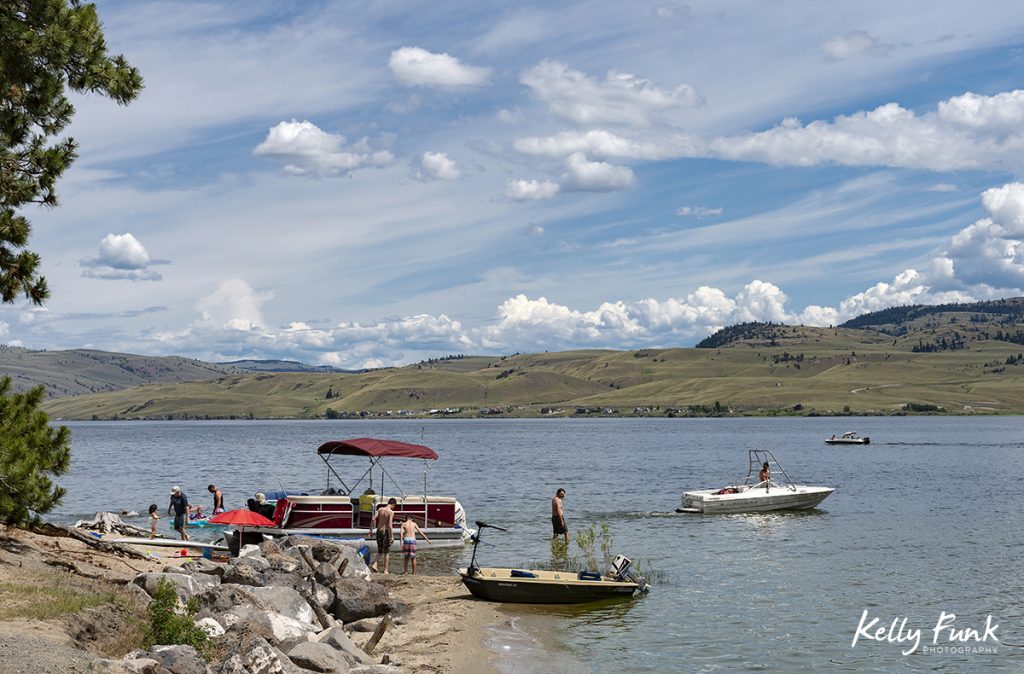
(179, 503)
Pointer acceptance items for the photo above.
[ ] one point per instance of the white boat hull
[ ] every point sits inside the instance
(800, 497)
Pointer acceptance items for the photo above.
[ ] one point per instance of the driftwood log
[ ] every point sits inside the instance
(378, 633)
(321, 615)
(48, 529)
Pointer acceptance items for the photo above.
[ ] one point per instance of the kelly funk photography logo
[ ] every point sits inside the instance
(947, 636)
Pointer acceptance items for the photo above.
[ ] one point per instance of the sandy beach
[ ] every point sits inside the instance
(67, 604)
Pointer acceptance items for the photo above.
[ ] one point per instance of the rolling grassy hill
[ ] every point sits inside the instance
(959, 359)
(83, 371)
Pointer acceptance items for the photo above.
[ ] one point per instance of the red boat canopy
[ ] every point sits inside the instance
(374, 447)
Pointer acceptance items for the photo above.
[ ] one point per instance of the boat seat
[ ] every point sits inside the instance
(589, 575)
(516, 573)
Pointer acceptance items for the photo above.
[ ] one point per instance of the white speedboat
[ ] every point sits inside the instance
(848, 438)
(755, 495)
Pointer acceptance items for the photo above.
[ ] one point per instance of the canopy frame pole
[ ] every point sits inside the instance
(330, 469)
(384, 472)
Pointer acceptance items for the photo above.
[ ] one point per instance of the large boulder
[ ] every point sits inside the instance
(179, 659)
(212, 628)
(129, 665)
(283, 600)
(204, 566)
(225, 597)
(358, 599)
(328, 552)
(339, 639)
(284, 563)
(275, 627)
(268, 548)
(247, 571)
(318, 657)
(255, 655)
(184, 585)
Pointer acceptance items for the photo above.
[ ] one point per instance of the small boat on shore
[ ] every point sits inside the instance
(753, 494)
(533, 586)
(344, 514)
(848, 438)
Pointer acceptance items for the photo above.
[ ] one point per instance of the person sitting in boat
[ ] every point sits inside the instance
(196, 513)
(409, 531)
(765, 475)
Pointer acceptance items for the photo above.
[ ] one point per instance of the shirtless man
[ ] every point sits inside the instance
(409, 531)
(558, 525)
(384, 520)
(218, 499)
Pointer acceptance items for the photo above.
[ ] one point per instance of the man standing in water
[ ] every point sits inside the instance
(384, 521)
(558, 525)
(179, 503)
(218, 499)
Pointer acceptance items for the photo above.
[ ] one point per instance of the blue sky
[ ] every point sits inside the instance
(370, 184)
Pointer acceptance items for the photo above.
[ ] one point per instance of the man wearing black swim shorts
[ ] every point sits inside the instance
(384, 521)
(558, 525)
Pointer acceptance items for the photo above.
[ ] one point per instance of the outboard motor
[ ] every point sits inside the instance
(621, 570)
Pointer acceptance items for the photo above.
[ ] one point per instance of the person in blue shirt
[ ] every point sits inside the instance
(179, 503)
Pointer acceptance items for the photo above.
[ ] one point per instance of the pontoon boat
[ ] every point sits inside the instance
(848, 438)
(344, 514)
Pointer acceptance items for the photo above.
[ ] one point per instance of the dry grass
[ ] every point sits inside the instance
(42, 595)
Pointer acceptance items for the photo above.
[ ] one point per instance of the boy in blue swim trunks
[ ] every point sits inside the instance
(409, 531)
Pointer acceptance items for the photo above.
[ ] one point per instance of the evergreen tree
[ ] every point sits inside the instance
(30, 452)
(46, 47)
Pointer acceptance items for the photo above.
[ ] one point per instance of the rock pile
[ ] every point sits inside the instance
(278, 608)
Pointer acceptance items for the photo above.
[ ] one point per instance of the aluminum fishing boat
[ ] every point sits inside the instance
(848, 438)
(754, 494)
(532, 586)
(344, 514)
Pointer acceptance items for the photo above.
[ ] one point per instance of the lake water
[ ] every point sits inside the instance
(924, 521)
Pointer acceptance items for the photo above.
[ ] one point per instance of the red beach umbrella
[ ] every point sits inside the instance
(242, 517)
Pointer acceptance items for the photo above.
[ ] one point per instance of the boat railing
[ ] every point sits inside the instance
(757, 458)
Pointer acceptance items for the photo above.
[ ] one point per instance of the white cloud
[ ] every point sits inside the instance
(984, 261)
(673, 11)
(1000, 114)
(965, 132)
(621, 98)
(525, 190)
(306, 149)
(852, 44)
(233, 306)
(536, 231)
(121, 257)
(438, 165)
(596, 176)
(699, 211)
(511, 116)
(596, 143)
(941, 187)
(418, 67)
(1006, 206)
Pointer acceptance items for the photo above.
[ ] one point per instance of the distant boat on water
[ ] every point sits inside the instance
(848, 438)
